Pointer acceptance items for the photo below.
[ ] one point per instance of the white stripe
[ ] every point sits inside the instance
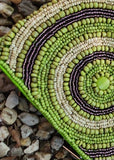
(58, 86)
(36, 20)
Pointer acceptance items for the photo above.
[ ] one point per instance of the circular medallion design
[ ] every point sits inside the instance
(62, 58)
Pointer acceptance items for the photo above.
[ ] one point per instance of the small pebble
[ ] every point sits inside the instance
(27, 158)
(32, 108)
(12, 100)
(26, 7)
(32, 148)
(29, 119)
(46, 126)
(18, 152)
(25, 142)
(45, 130)
(4, 133)
(26, 131)
(8, 116)
(43, 135)
(23, 106)
(61, 154)
(19, 124)
(6, 10)
(3, 149)
(43, 156)
(45, 147)
(56, 143)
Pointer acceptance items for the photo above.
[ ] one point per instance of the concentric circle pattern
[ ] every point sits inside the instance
(62, 58)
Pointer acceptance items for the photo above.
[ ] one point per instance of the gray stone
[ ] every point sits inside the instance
(18, 152)
(32, 108)
(43, 156)
(29, 119)
(5, 9)
(23, 106)
(45, 130)
(4, 133)
(3, 149)
(18, 122)
(32, 148)
(56, 143)
(8, 116)
(26, 7)
(43, 135)
(26, 157)
(46, 126)
(45, 147)
(12, 100)
(26, 131)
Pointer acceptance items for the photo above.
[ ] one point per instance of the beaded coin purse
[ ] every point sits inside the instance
(61, 58)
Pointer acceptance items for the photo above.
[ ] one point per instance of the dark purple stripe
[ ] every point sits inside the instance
(50, 31)
(74, 78)
(99, 152)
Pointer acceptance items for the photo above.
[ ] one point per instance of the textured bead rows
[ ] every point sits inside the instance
(62, 58)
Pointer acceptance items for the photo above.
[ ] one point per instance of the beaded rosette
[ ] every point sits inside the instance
(62, 59)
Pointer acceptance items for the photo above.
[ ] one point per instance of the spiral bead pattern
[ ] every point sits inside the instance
(62, 58)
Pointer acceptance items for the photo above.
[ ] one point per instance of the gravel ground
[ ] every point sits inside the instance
(24, 133)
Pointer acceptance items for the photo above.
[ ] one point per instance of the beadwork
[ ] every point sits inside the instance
(61, 58)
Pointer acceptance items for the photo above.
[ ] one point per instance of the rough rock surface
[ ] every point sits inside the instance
(4, 133)
(8, 116)
(12, 100)
(32, 148)
(29, 119)
(3, 149)
(26, 7)
(56, 143)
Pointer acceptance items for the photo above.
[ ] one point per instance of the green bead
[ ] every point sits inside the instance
(95, 5)
(64, 30)
(34, 34)
(39, 29)
(66, 119)
(62, 14)
(109, 34)
(52, 20)
(19, 75)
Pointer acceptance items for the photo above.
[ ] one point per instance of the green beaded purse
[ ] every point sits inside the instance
(61, 58)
